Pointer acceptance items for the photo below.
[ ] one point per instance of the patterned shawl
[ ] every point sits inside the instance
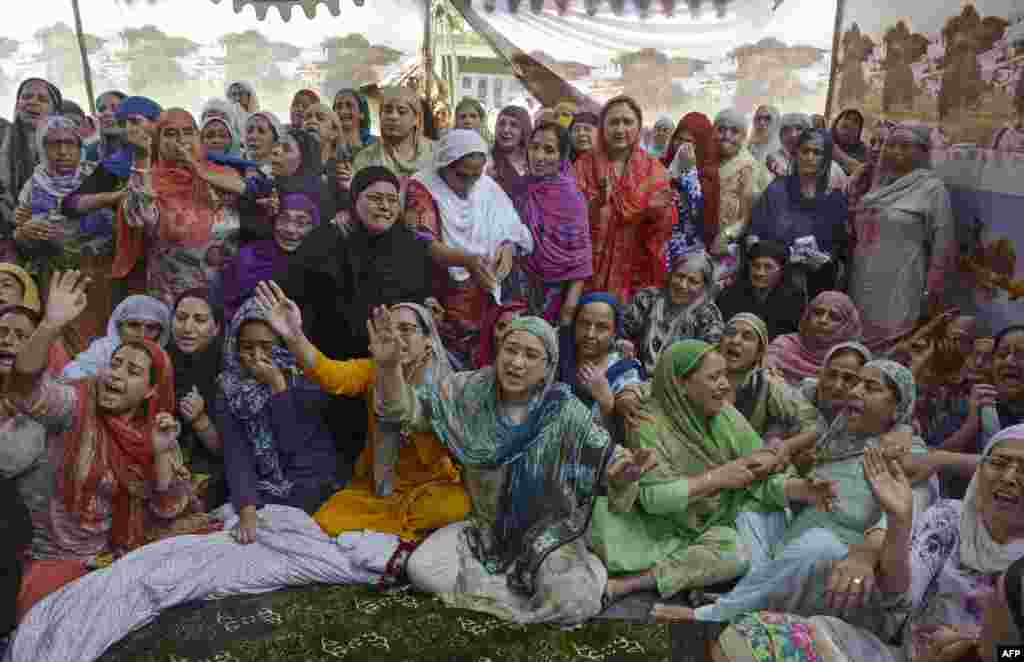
(688, 443)
(754, 386)
(978, 551)
(668, 321)
(45, 178)
(553, 461)
(555, 212)
(97, 443)
(248, 399)
(706, 148)
(800, 355)
(838, 443)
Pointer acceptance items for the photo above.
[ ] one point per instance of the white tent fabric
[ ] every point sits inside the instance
(284, 7)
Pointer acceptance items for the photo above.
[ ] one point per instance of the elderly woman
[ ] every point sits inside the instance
(243, 94)
(35, 100)
(660, 137)
(677, 528)
(173, 212)
(224, 110)
(791, 126)
(631, 210)
(509, 165)
(583, 132)
(555, 212)
(944, 563)
(216, 135)
(830, 318)
(764, 135)
(402, 148)
(905, 239)
(683, 308)
(850, 532)
(135, 319)
(692, 158)
(742, 179)
(532, 458)
(765, 289)
(590, 361)
(802, 206)
(474, 234)
(405, 482)
(262, 131)
(269, 259)
(50, 241)
(777, 412)
(847, 132)
(118, 478)
(839, 374)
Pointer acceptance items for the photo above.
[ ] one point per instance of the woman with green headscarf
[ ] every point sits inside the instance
(532, 459)
(677, 527)
(779, 413)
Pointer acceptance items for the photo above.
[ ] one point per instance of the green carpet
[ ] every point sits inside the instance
(356, 623)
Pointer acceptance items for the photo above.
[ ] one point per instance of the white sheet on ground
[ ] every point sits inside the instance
(83, 619)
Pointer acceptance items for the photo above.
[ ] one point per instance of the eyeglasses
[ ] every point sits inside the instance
(1001, 463)
(381, 200)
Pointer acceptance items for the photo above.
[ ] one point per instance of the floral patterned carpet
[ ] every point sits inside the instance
(357, 623)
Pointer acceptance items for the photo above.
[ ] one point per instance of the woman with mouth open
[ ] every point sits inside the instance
(839, 373)
(402, 148)
(779, 413)
(532, 459)
(944, 563)
(824, 560)
(118, 474)
(689, 523)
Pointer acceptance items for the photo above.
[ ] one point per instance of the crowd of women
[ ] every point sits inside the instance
(559, 364)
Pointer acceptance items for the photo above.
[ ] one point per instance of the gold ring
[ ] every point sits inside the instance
(857, 580)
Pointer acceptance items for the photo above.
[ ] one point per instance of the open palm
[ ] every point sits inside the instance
(283, 315)
(67, 297)
(889, 483)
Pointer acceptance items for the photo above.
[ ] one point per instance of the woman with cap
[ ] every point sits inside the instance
(764, 289)
(474, 234)
(941, 568)
(343, 270)
(802, 206)
(905, 240)
(261, 133)
(631, 211)
(228, 112)
(684, 307)
(19, 288)
(532, 459)
(402, 147)
(779, 413)
(173, 213)
(35, 100)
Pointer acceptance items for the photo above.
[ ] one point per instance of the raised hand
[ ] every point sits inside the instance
(632, 466)
(283, 315)
(67, 297)
(192, 406)
(166, 429)
(593, 379)
(384, 345)
(890, 484)
(266, 372)
(504, 260)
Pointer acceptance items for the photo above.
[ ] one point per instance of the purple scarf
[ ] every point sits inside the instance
(261, 260)
(556, 213)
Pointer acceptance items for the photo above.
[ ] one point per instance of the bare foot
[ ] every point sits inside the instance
(663, 613)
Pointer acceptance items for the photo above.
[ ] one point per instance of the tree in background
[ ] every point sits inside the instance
(61, 55)
(647, 77)
(8, 47)
(352, 61)
(766, 73)
(857, 48)
(966, 36)
(152, 59)
(253, 57)
(902, 48)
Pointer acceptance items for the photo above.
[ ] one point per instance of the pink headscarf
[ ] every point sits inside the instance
(801, 355)
(556, 213)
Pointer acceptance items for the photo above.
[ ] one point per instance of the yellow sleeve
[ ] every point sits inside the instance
(352, 378)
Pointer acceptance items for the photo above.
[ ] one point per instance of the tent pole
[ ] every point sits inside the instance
(836, 40)
(87, 72)
(428, 55)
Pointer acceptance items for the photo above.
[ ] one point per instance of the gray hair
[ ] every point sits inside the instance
(732, 118)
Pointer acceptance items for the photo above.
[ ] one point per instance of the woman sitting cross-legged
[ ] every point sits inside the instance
(590, 363)
(405, 482)
(532, 459)
(850, 532)
(777, 412)
(684, 526)
(119, 481)
(271, 420)
(944, 563)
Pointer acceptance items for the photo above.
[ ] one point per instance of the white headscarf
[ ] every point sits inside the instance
(98, 355)
(482, 221)
(978, 550)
